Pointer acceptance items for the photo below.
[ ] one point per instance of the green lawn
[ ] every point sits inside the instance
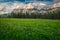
(29, 29)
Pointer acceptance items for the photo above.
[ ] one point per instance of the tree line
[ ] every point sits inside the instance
(48, 15)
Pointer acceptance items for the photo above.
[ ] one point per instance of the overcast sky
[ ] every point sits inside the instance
(7, 6)
(29, 0)
(57, 0)
(23, 0)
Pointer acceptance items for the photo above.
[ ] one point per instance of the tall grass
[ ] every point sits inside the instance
(29, 29)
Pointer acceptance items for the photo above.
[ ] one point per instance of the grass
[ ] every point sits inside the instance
(29, 29)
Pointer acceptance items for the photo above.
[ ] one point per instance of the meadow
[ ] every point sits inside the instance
(29, 29)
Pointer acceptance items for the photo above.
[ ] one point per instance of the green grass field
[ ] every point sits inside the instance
(29, 29)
